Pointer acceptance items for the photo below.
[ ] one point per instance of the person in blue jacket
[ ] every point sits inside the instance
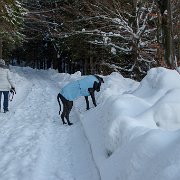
(83, 87)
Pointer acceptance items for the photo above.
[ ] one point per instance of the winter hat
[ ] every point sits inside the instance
(2, 62)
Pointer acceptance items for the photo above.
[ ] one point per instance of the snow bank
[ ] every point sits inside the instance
(134, 131)
(130, 130)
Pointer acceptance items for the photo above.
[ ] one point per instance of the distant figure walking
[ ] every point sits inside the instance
(6, 84)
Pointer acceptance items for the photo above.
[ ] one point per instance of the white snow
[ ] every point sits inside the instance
(133, 133)
(113, 50)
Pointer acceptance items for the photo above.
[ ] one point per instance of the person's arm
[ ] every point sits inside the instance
(10, 80)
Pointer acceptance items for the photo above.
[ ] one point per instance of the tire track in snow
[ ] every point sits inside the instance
(35, 144)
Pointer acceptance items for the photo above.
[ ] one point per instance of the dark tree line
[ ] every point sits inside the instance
(11, 19)
(99, 36)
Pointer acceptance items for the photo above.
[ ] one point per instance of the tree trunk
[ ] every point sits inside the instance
(1, 47)
(167, 34)
(172, 56)
(160, 59)
(85, 66)
(91, 65)
(55, 63)
(178, 54)
(91, 62)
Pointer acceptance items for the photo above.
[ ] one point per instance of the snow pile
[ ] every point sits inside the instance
(133, 133)
(130, 131)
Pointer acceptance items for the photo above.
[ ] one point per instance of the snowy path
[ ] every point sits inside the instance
(34, 145)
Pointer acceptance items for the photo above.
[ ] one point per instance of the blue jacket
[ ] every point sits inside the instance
(78, 88)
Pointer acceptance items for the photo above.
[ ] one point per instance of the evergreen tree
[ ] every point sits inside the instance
(11, 12)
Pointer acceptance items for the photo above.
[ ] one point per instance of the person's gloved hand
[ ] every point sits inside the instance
(13, 89)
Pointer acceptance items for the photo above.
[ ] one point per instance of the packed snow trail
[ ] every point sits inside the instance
(34, 145)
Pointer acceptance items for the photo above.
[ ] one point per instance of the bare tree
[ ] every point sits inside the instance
(131, 30)
(127, 28)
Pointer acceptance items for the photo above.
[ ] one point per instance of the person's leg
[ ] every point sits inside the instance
(0, 99)
(6, 100)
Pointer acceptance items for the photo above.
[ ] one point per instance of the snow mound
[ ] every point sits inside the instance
(136, 127)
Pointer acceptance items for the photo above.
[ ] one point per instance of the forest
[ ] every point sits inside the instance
(91, 36)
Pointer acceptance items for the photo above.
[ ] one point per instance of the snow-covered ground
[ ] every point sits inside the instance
(133, 133)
